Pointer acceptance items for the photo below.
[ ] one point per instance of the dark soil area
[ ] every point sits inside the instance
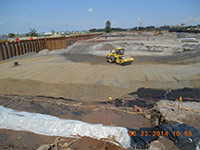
(147, 97)
(186, 93)
(20, 140)
(188, 56)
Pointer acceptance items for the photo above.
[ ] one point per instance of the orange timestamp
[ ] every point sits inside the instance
(160, 133)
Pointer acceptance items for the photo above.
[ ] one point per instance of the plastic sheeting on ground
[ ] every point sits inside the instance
(54, 126)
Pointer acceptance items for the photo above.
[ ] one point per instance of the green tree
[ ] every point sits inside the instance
(93, 30)
(11, 35)
(33, 32)
(141, 28)
(108, 27)
(118, 29)
(134, 29)
(150, 28)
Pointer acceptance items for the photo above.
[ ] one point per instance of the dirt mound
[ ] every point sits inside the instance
(171, 111)
(108, 46)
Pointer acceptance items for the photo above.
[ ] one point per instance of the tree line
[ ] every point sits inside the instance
(108, 28)
(32, 32)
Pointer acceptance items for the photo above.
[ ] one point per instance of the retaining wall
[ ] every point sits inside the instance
(11, 49)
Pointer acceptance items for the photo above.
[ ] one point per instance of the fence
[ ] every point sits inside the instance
(11, 49)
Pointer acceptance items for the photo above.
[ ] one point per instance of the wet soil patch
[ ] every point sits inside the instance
(88, 112)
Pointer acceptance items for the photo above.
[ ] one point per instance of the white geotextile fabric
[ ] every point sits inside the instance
(54, 126)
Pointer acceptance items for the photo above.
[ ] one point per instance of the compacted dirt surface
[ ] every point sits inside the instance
(81, 72)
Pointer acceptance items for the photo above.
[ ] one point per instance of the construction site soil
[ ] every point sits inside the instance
(68, 109)
(81, 72)
(77, 82)
(96, 113)
(146, 97)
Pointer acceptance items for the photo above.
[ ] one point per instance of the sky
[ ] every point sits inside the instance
(17, 16)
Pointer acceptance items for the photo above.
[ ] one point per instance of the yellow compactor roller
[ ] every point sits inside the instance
(118, 57)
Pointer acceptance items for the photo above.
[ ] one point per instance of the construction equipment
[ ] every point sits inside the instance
(158, 32)
(118, 57)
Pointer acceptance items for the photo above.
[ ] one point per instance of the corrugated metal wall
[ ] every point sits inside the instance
(11, 49)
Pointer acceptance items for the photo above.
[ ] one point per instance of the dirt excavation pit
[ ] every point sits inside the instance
(77, 83)
(81, 72)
